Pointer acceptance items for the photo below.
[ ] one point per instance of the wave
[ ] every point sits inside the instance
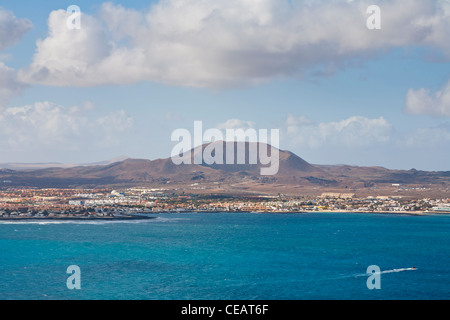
(43, 223)
(161, 219)
(96, 222)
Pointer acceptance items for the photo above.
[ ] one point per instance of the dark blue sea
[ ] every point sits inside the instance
(229, 256)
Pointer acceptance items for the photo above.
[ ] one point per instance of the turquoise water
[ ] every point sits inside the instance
(225, 256)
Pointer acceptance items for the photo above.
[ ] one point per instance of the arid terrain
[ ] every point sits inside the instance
(295, 177)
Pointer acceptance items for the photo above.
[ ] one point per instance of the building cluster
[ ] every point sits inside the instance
(30, 202)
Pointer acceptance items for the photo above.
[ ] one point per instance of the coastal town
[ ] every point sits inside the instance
(108, 203)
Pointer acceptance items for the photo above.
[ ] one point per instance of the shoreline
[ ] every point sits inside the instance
(411, 213)
(67, 218)
(146, 217)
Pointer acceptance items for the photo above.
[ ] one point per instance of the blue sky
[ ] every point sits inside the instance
(136, 71)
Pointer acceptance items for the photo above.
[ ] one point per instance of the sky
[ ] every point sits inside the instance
(135, 71)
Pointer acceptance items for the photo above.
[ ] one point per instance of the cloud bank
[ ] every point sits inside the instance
(228, 43)
(11, 30)
(48, 126)
(353, 132)
(425, 102)
(10, 86)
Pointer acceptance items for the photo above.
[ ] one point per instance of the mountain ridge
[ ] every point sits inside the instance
(44, 165)
(294, 174)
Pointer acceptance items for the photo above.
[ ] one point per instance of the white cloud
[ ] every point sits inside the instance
(368, 142)
(437, 136)
(11, 28)
(227, 42)
(74, 54)
(353, 132)
(425, 102)
(361, 133)
(236, 124)
(293, 121)
(10, 86)
(45, 125)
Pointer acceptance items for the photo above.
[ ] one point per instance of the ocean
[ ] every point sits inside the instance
(229, 256)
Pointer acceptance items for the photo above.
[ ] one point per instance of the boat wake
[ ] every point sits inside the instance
(387, 271)
(398, 270)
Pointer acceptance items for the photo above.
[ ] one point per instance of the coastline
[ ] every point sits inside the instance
(68, 218)
(146, 217)
(409, 213)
